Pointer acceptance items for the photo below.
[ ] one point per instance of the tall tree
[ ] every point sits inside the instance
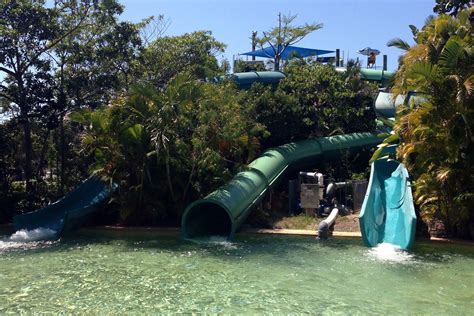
(28, 30)
(285, 34)
(195, 53)
(58, 57)
(92, 64)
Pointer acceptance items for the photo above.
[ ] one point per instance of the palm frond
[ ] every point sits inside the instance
(424, 69)
(414, 29)
(398, 43)
(429, 19)
(469, 84)
(450, 55)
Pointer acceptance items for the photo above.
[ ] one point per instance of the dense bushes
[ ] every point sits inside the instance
(168, 148)
(313, 101)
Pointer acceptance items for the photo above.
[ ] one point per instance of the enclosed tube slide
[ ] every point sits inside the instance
(223, 211)
(388, 214)
(386, 103)
(378, 75)
(68, 213)
(244, 80)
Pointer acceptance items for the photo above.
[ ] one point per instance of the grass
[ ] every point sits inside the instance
(300, 221)
(348, 223)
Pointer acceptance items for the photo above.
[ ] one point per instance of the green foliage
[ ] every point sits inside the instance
(398, 43)
(245, 66)
(437, 138)
(194, 53)
(168, 147)
(313, 101)
(382, 152)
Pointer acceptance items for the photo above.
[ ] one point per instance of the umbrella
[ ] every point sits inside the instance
(367, 51)
(290, 51)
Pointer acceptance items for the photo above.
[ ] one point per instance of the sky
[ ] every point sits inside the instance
(348, 25)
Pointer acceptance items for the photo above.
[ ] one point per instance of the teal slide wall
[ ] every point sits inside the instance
(223, 211)
(388, 214)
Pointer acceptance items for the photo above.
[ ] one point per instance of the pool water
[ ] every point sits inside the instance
(150, 272)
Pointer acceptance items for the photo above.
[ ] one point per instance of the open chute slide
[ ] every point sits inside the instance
(68, 213)
(388, 214)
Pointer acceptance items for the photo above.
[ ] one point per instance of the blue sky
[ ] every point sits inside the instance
(348, 25)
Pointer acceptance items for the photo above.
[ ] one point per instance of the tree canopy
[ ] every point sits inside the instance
(195, 53)
(284, 35)
(59, 57)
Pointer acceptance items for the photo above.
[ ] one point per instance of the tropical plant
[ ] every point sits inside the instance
(436, 135)
(168, 147)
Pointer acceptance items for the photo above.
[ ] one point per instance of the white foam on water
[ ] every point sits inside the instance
(222, 241)
(24, 235)
(390, 253)
(215, 240)
(28, 239)
(7, 246)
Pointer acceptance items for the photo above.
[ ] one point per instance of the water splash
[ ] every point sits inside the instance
(28, 239)
(220, 241)
(390, 253)
(24, 235)
(7, 246)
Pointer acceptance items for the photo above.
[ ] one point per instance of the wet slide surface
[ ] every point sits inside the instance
(388, 213)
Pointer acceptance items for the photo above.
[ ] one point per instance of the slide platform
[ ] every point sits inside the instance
(68, 213)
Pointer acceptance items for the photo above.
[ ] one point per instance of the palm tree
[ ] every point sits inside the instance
(437, 138)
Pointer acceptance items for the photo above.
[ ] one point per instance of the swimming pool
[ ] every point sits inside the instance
(139, 271)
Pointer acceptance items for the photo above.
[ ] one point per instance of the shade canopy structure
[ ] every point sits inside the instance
(367, 51)
(288, 53)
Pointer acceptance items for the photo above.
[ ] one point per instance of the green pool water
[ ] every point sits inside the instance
(146, 272)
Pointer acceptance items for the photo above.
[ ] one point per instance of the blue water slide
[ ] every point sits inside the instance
(70, 212)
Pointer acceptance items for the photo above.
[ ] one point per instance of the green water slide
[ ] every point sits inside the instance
(388, 214)
(223, 211)
(68, 213)
(244, 80)
(378, 75)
